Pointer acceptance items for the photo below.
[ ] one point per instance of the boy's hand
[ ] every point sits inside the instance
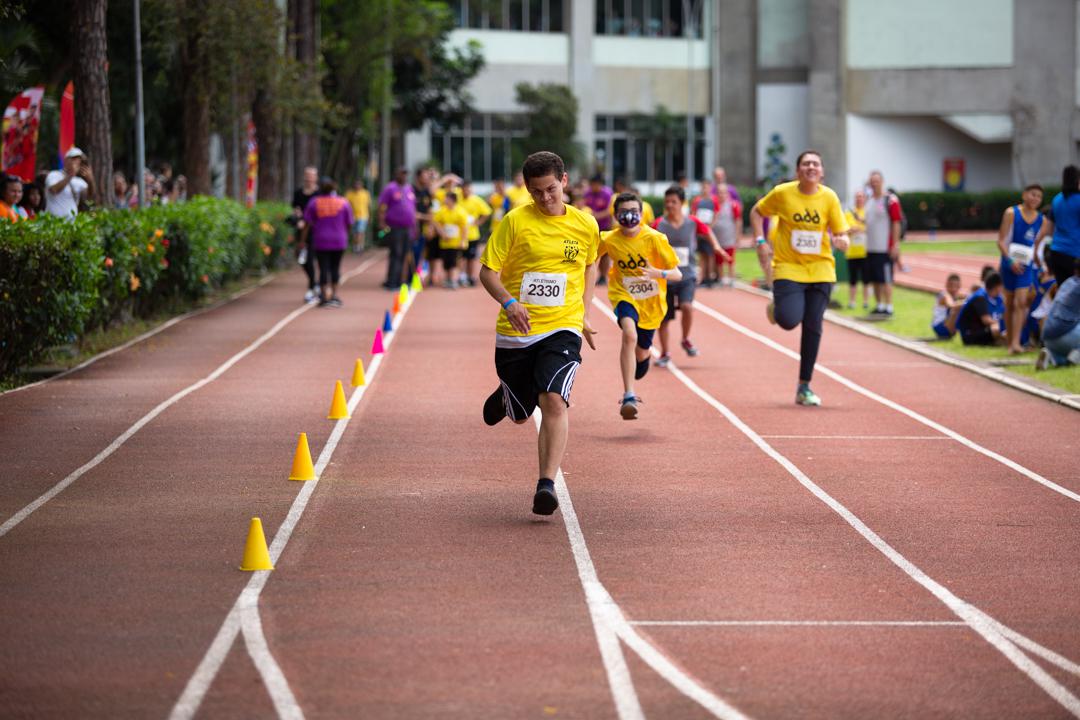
(518, 315)
(840, 242)
(588, 331)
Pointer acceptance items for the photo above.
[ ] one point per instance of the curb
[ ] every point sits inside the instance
(996, 374)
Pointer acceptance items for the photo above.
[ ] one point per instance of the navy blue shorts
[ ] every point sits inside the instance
(644, 337)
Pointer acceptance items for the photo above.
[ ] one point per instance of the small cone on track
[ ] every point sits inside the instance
(302, 469)
(417, 283)
(387, 323)
(397, 305)
(377, 345)
(358, 378)
(339, 410)
(403, 295)
(256, 556)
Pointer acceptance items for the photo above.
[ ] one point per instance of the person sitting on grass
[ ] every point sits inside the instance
(1061, 331)
(947, 308)
(979, 320)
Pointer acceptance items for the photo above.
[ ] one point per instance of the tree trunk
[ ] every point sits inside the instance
(93, 131)
(306, 144)
(194, 71)
(268, 132)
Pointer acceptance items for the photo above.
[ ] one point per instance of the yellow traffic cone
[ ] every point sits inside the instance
(403, 295)
(358, 378)
(417, 285)
(302, 469)
(256, 556)
(339, 410)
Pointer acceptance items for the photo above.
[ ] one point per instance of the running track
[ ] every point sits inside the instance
(729, 554)
(927, 271)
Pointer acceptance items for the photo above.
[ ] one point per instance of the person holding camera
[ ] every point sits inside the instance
(65, 189)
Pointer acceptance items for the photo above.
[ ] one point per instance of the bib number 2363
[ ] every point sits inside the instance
(547, 289)
(807, 242)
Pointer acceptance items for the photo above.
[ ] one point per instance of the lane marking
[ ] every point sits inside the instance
(610, 626)
(976, 619)
(247, 602)
(934, 425)
(800, 623)
(859, 437)
(161, 407)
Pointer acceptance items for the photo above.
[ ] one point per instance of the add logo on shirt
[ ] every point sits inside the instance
(631, 263)
(806, 217)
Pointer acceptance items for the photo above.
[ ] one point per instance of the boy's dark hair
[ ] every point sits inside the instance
(676, 190)
(804, 153)
(1070, 180)
(8, 180)
(450, 194)
(680, 176)
(987, 269)
(628, 197)
(992, 280)
(542, 163)
(952, 276)
(1034, 186)
(597, 178)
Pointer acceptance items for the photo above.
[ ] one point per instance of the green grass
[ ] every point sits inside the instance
(984, 247)
(911, 320)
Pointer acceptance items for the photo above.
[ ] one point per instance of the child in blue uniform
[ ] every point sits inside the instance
(1016, 239)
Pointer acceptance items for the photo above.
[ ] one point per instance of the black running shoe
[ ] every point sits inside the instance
(494, 410)
(641, 368)
(544, 501)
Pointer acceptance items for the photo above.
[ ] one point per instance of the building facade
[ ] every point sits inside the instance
(679, 86)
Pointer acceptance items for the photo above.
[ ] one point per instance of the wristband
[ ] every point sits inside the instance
(663, 274)
(759, 241)
(508, 303)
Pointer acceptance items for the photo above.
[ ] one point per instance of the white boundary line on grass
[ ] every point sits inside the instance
(983, 624)
(243, 617)
(998, 375)
(852, 385)
(161, 407)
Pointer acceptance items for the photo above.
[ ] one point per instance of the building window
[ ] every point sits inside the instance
(522, 15)
(644, 149)
(645, 18)
(485, 147)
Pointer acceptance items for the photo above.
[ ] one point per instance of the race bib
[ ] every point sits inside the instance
(498, 214)
(1021, 254)
(683, 253)
(858, 240)
(640, 287)
(548, 289)
(705, 215)
(452, 231)
(806, 242)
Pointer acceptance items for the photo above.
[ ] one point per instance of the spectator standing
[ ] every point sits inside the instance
(518, 193)
(10, 194)
(1020, 225)
(882, 225)
(720, 178)
(397, 216)
(856, 252)
(1062, 224)
(124, 196)
(598, 200)
(66, 188)
(300, 200)
(360, 200)
(1061, 331)
(498, 202)
(328, 220)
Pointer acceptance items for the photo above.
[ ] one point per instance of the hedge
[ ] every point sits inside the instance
(60, 279)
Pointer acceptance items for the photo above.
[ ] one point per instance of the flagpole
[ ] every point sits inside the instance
(140, 138)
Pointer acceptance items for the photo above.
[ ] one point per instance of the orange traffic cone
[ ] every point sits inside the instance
(302, 469)
(256, 556)
(339, 410)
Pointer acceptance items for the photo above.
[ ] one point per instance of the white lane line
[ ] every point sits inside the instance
(800, 623)
(976, 619)
(59, 487)
(611, 626)
(858, 437)
(1011, 464)
(274, 679)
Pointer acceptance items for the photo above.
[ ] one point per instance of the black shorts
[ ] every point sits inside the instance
(879, 268)
(857, 271)
(548, 365)
(433, 252)
(983, 336)
(679, 294)
(473, 251)
(449, 257)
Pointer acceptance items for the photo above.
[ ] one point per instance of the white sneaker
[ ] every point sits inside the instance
(1045, 360)
(1074, 356)
(310, 296)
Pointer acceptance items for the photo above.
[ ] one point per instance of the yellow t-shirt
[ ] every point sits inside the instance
(625, 282)
(856, 220)
(518, 196)
(541, 260)
(361, 203)
(455, 225)
(496, 201)
(802, 251)
(478, 210)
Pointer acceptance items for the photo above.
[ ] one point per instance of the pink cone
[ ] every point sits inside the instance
(377, 346)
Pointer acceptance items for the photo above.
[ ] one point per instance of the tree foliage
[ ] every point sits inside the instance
(552, 120)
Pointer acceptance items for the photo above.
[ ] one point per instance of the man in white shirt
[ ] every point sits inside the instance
(64, 189)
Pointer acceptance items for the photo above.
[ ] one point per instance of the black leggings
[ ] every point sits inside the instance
(329, 266)
(805, 303)
(1063, 266)
(309, 268)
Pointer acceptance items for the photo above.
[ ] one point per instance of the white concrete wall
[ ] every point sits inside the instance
(910, 152)
(783, 109)
(652, 53)
(783, 27)
(929, 33)
(505, 47)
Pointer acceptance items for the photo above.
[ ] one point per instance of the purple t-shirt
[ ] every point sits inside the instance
(731, 191)
(330, 218)
(599, 201)
(400, 202)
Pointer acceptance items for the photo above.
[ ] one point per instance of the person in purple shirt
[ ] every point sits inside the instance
(328, 220)
(720, 178)
(397, 217)
(598, 199)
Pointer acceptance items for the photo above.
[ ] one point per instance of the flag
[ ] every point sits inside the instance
(67, 120)
(252, 164)
(20, 133)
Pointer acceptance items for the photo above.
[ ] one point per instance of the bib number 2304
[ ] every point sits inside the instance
(547, 289)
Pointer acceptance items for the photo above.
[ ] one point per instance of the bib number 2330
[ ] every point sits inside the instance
(547, 289)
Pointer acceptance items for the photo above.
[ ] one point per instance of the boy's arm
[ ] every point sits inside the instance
(587, 297)
(516, 313)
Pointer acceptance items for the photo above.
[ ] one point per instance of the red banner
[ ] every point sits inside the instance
(252, 164)
(20, 134)
(67, 119)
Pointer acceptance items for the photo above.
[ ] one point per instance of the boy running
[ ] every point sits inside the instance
(540, 266)
(452, 225)
(479, 212)
(642, 262)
